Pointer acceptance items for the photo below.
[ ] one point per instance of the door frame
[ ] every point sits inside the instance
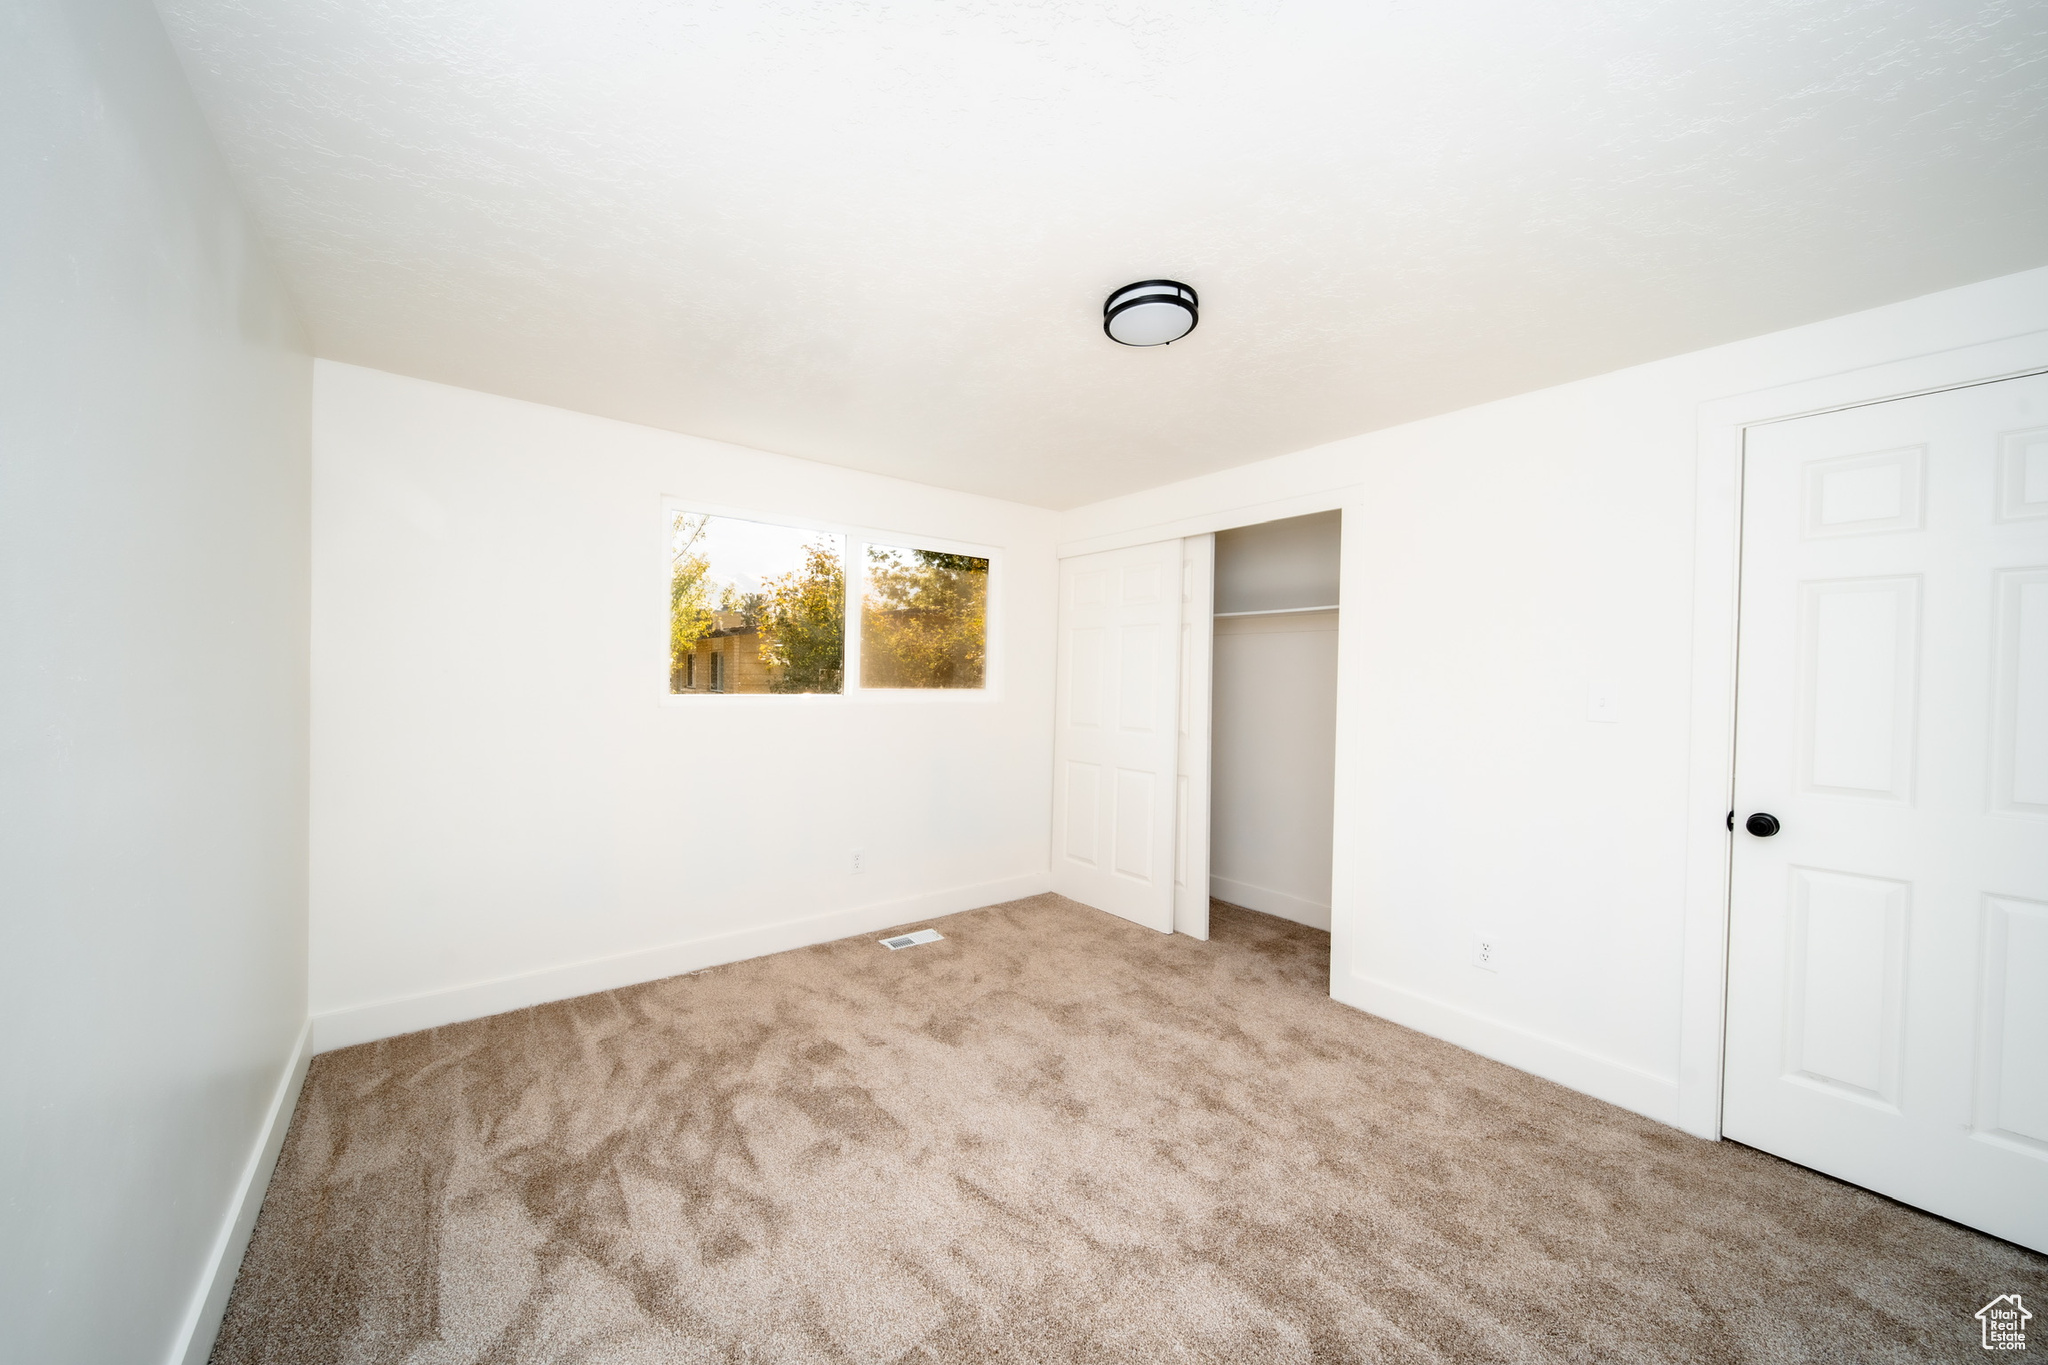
(1717, 577)
(1338, 499)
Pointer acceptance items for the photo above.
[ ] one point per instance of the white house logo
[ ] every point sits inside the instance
(2005, 1323)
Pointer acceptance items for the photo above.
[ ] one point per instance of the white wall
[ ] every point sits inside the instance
(1498, 561)
(154, 534)
(1276, 565)
(1273, 763)
(1273, 721)
(507, 808)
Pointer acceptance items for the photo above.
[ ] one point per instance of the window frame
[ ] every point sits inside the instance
(854, 540)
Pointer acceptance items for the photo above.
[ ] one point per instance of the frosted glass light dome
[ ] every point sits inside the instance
(1150, 313)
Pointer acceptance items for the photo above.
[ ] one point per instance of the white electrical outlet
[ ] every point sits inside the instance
(1603, 703)
(860, 861)
(1486, 952)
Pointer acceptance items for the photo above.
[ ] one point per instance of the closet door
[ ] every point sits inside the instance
(1116, 745)
(1191, 807)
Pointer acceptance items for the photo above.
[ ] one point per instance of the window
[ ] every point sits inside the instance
(923, 619)
(764, 605)
(758, 608)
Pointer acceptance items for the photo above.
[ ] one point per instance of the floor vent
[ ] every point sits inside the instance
(912, 940)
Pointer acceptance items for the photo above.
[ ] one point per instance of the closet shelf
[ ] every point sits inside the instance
(1276, 611)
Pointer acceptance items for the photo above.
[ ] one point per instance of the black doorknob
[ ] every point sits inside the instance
(1761, 825)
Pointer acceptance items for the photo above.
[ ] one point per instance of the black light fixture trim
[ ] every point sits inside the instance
(1149, 292)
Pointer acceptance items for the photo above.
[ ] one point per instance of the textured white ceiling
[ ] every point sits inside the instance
(879, 234)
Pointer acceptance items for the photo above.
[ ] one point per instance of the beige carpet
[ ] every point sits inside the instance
(1054, 1136)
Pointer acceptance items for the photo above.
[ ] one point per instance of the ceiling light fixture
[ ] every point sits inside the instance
(1150, 313)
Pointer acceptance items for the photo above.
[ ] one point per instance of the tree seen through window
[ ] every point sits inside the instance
(754, 607)
(759, 608)
(924, 619)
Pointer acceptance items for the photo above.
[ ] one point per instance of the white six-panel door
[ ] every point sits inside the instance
(1888, 947)
(1114, 751)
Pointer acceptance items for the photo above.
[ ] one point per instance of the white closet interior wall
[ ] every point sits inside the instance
(1274, 718)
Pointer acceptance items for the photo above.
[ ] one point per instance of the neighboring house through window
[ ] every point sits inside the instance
(761, 605)
(757, 608)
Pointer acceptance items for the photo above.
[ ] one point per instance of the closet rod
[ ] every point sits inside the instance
(1276, 611)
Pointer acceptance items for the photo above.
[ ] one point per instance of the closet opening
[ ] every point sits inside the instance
(1273, 717)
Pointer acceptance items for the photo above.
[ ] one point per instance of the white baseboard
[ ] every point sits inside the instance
(409, 1014)
(1269, 902)
(1603, 1078)
(194, 1342)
